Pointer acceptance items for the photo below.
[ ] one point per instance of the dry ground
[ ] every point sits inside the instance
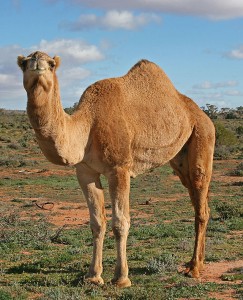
(74, 213)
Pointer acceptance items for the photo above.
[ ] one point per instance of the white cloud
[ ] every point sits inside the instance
(216, 98)
(235, 93)
(68, 76)
(113, 19)
(216, 9)
(74, 51)
(8, 79)
(236, 53)
(210, 85)
(11, 87)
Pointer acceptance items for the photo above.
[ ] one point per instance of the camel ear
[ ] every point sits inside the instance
(20, 62)
(57, 61)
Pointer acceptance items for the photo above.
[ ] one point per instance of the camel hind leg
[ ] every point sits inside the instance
(193, 164)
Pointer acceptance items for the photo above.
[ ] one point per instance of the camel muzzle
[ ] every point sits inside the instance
(37, 64)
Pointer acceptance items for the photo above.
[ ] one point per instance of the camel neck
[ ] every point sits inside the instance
(44, 109)
(56, 131)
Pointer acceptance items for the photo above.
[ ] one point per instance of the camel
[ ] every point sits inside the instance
(122, 127)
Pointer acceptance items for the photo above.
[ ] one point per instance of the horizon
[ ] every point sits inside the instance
(198, 45)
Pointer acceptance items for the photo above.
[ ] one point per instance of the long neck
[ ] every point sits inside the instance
(61, 137)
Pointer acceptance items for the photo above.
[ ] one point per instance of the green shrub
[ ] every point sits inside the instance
(226, 211)
(224, 136)
(238, 171)
(239, 130)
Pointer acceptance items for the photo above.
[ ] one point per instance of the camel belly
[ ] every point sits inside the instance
(157, 149)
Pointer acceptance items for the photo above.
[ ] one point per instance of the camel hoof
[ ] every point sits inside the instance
(97, 280)
(192, 273)
(122, 282)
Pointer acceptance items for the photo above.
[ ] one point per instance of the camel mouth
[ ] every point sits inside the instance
(39, 71)
(37, 65)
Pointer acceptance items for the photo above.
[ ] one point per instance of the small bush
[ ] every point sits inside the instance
(226, 211)
(16, 161)
(239, 130)
(222, 152)
(162, 264)
(13, 146)
(238, 171)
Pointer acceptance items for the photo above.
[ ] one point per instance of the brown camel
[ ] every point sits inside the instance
(122, 127)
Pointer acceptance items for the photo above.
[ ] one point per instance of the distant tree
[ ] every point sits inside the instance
(223, 112)
(211, 110)
(70, 110)
(231, 114)
(239, 111)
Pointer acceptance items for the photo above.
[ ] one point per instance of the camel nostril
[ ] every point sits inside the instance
(33, 64)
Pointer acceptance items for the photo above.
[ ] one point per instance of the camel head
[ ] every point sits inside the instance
(38, 68)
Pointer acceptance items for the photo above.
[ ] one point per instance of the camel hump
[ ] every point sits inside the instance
(142, 64)
(145, 68)
(147, 77)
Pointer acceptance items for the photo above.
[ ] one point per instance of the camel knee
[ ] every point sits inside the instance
(202, 218)
(98, 227)
(198, 177)
(120, 226)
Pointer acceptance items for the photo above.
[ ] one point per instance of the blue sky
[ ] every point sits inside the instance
(198, 43)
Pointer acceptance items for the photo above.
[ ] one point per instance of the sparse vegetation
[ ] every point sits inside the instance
(238, 171)
(44, 261)
(228, 125)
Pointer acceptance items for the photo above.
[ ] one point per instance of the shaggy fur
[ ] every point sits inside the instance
(122, 127)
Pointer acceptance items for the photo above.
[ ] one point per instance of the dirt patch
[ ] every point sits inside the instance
(20, 173)
(58, 213)
(224, 295)
(229, 179)
(69, 215)
(175, 197)
(213, 271)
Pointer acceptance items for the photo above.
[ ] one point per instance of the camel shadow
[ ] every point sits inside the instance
(40, 275)
(138, 271)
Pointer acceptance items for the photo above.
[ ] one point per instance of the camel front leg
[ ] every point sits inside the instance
(92, 189)
(119, 186)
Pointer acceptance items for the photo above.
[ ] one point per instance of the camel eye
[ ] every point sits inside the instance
(24, 65)
(52, 64)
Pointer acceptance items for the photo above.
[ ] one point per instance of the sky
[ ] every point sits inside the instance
(198, 43)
